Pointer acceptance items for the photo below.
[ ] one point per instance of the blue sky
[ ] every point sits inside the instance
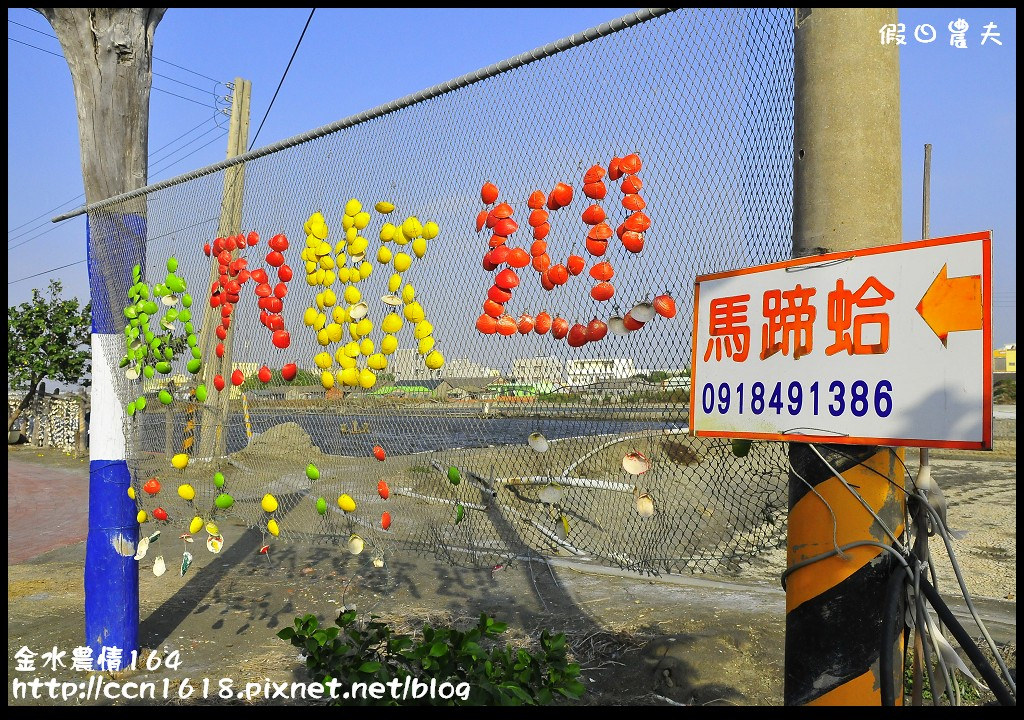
(963, 102)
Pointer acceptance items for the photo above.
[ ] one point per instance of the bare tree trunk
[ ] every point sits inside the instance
(25, 402)
(110, 54)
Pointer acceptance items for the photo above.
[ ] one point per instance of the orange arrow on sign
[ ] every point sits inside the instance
(952, 304)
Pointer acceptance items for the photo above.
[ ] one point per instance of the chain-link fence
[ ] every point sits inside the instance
(674, 131)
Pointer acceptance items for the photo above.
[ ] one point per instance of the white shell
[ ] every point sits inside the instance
(358, 311)
(356, 259)
(214, 543)
(142, 549)
(645, 506)
(643, 312)
(355, 544)
(159, 567)
(392, 300)
(132, 373)
(378, 562)
(166, 324)
(617, 326)
(169, 300)
(636, 464)
(550, 494)
(538, 442)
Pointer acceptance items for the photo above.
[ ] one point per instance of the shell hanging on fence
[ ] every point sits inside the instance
(159, 566)
(538, 442)
(644, 503)
(636, 464)
(355, 544)
(214, 543)
(186, 562)
(321, 506)
(142, 549)
(550, 494)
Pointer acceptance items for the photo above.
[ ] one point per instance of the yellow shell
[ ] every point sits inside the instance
(425, 345)
(387, 233)
(131, 492)
(212, 528)
(402, 262)
(384, 207)
(180, 461)
(323, 360)
(367, 379)
(389, 343)
(366, 346)
(327, 379)
(272, 527)
(269, 503)
(423, 329)
(350, 376)
(141, 517)
(365, 326)
(430, 230)
(384, 255)
(346, 503)
(362, 220)
(352, 207)
(196, 525)
(377, 361)
(408, 293)
(434, 360)
(334, 331)
(414, 312)
(419, 247)
(309, 317)
(186, 492)
(411, 228)
(345, 361)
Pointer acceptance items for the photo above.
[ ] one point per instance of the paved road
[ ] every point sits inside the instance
(47, 508)
(1005, 412)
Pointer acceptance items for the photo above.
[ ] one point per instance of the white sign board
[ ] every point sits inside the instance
(881, 346)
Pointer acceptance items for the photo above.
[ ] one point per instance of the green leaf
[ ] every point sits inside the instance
(370, 666)
(286, 633)
(438, 649)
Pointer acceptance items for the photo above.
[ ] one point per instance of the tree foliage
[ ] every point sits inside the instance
(47, 338)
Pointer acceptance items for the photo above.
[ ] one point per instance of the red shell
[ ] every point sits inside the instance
(596, 330)
(596, 190)
(499, 295)
(633, 241)
(502, 211)
(577, 336)
(601, 231)
(602, 291)
(281, 338)
(378, 452)
(254, 237)
(536, 200)
(259, 275)
(593, 215)
(385, 520)
(222, 332)
(630, 165)
(280, 290)
(489, 193)
(631, 184)
(505, 226)
(665, 306)
(237, 377)
(545, 281)
(486, 324)
(633, 202)
(541, 231)
(539, 247)
(263, 290)
(637, 222)
(614, 169)
(525, 324)
(541, 262)
(559, 274)
(538, 217)
(481, 218)
(275, 258)
(542, 323)
(207, 249)
(631, 323)
(594, 174)
(152, 486)
(264, 374)
(602, 271)
(284, 273)
(289, 371)
(219, 350)
(507, 279)
(507, 325)
(278, 242)
(218, 382)
(597, 248)
(575, 264)
(518, 258)
(160, 514)
(494, 309)
(560, 197)
(383, 490)
(499, 254)
(496, 240)
(559, 328)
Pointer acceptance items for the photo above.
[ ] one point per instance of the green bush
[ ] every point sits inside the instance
(369, 652)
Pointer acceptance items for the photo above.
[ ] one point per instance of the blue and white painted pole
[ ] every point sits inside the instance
(116, 242)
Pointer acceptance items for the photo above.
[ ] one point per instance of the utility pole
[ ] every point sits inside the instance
(213, 436)
(847, 194)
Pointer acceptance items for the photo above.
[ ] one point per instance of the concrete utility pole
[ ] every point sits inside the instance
(847, 194)
(213, 437)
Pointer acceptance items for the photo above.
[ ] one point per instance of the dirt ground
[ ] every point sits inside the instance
(676, 639)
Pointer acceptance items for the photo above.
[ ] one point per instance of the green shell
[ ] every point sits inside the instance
(312, 472)
(186, 300)
(321, 506)
(454, 476)
(201, 393)
(197, 353)
(460, 512)
(172, 264)
(140, 404)
(175, 284)
(184, 315)
(224, 501)
(165, 397)
(218, 479)
(194, 364)
(163, 367)
(149, 372)
(131, 408)
(149, 307)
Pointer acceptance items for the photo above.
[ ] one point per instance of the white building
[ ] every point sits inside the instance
(407, 364)
(466, 368)
(586, 371)
(538, 370)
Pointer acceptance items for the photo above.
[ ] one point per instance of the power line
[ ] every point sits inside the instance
(29, 277)
(160, 170)
(168, 62)
(282, 78)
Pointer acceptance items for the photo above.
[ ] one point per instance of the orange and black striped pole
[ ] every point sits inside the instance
(847, 194)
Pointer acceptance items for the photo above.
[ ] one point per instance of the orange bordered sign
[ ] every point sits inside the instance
(888, 345)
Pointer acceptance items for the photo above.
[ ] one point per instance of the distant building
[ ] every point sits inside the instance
(478, 388)
(466, 368)
(1005, 359)
(679, 382)
(590, 370)
(547, 370)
